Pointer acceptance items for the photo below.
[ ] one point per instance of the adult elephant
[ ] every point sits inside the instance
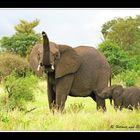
(78, 72)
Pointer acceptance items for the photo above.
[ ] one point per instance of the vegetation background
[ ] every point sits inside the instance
(24, 107)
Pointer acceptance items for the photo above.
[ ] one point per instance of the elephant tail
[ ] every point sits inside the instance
(110, 86)
(110, 77)
(110, 80)
(111, 101)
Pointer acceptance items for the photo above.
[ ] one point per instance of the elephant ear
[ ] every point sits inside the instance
(68, 63)
(34, 59)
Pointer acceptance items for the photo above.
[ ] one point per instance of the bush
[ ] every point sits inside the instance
(127, 78)
(10, 62)
(20, 90)
(118, 58)
(136, 65)
(76, 107)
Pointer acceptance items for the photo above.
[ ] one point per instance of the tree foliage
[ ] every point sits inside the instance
(127, 78)
(125, 32)
(24, 38)
(116, 56)
(26, 27)
(19, 43)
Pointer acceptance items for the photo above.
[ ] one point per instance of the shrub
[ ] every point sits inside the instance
(20, 90)
(127, 78)
(118, 58)
(10, 62)
(136, 65)
(76, 107)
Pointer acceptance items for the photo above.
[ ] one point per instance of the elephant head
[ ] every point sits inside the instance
(61, 59)
(112, 92)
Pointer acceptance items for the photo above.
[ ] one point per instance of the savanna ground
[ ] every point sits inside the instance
(80, 115)
(121, 48)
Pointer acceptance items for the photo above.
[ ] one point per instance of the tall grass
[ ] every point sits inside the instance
(80, 115)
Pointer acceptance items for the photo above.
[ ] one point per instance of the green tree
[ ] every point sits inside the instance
(125, 32)
(22, 41)
(116, 56)
(26, 27)
(19, 43)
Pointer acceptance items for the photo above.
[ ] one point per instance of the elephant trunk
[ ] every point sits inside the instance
(46, 50)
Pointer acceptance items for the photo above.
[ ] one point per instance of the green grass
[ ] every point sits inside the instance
(80, 115)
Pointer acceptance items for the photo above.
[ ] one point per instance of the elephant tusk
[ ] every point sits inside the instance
(52, 67)
(38, 68)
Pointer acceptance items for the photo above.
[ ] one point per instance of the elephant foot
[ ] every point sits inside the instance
(56, 109)
(102, 109)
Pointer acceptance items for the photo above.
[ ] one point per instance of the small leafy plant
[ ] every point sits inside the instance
(20, 90)
(76, 107)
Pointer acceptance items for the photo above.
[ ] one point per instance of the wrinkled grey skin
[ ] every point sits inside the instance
(78, 72)
(122, 97)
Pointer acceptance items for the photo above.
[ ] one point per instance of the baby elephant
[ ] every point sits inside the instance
(122, 97)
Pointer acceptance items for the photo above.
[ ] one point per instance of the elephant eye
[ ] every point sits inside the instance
(57, 55)
(38, 56)
(116, 92)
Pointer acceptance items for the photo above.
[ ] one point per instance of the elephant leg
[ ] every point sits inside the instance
(51, 97)
(118, 104)
(60, 102)
(93, 96)
(63, 86)
(121, 107)
(100, 103)
(116, 107)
